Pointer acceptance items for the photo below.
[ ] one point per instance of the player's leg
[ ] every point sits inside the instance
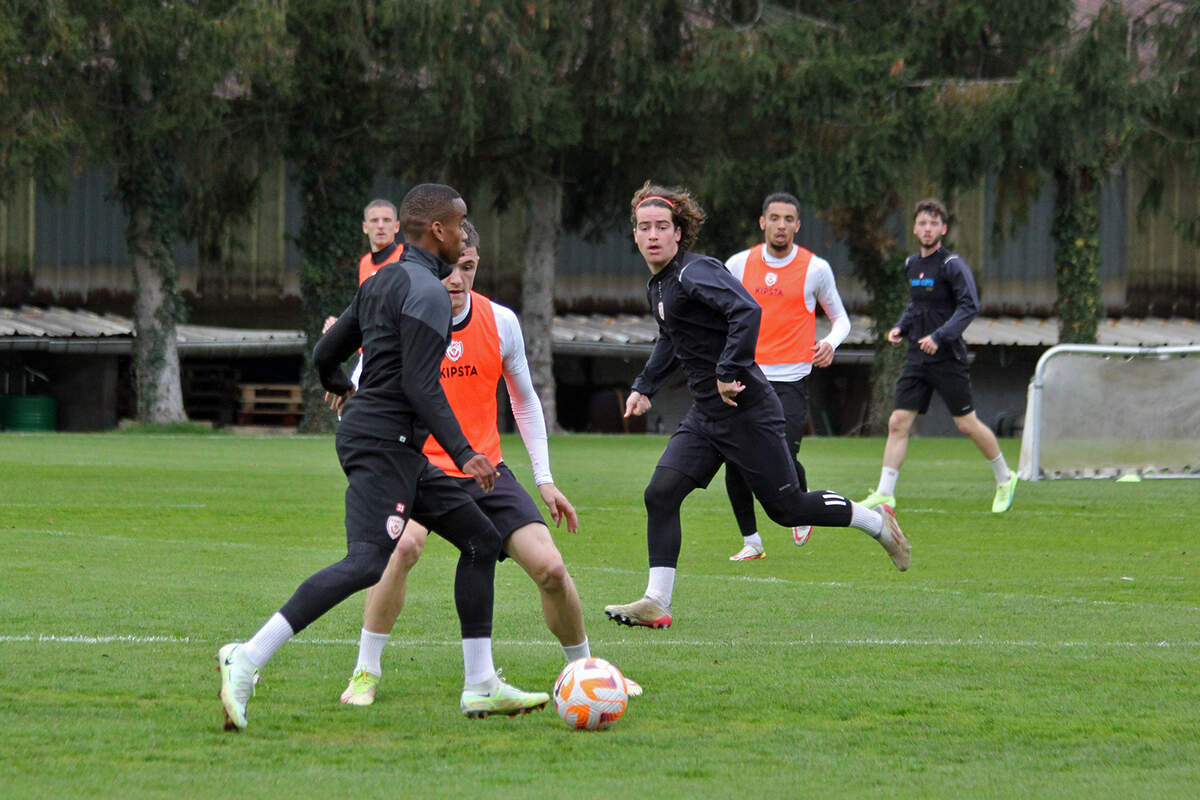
(478, 542)
(793, 396)
(533, 548)
(953, 383)
(741, 499)
(755, 440)
(380, 476)
(913, 393)
(689, 462)
(384, 602)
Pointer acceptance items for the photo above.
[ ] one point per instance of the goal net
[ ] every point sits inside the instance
(1097, 411)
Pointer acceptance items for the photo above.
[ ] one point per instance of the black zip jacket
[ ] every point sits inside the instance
(942, 301)
(708, 322)
(401, 319)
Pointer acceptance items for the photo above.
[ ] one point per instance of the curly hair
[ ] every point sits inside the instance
(933, 208)
(686, 213)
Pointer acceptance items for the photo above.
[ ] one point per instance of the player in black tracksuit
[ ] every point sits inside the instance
(942, 301)
(708, 324)
(401, 318)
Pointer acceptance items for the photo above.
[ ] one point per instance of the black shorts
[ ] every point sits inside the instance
(752, 439)
(507, 505)
(793, 396)
(389, 483)
(949, 377)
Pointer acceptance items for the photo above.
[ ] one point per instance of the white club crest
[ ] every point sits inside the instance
(395, 525)
(771, 278)
(454, 350)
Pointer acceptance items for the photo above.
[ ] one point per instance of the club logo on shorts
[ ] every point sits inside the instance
(399, 508)
(395, 525)
(771, 278)
(455, 350)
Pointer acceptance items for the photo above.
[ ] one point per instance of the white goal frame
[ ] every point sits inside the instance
(1031, 441)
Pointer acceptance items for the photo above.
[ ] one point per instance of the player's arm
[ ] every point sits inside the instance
(341, 340)
(719, 290)
(902, 325)
(422, 345)
(831, 303)
(658, 367)
(966, 300)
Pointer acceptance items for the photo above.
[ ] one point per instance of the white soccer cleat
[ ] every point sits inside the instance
(800, 535)
(632, 687)
(238, 678)
(644, 613)
(749, 553)
(893, 539)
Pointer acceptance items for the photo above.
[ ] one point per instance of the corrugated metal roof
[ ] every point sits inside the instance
(65, 330)
(30, 328)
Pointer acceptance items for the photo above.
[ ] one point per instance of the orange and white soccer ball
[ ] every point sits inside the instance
(590, 694)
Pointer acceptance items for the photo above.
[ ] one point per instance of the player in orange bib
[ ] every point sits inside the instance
(486, 346)
(380, 226)
(789, 283)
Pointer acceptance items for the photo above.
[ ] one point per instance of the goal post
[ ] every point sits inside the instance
(1103, 411)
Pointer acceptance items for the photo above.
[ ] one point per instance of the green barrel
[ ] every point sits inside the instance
(30, 412)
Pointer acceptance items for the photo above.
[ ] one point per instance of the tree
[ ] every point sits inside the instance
(160, 92)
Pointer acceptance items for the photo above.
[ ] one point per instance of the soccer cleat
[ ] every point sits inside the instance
(1004, 494)
(238, 677)
(800, 535)
(502, 699)
(644, 612)
(749, 553)
(877, 499)
(893, 539)
(362, 688)
(632, 687)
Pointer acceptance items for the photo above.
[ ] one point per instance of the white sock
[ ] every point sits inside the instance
(1000, 468)
(477, 662)
(887, 481)
(753, 538)
(270, 637)
(575, 652)
(370, 651)
(661, 585)
(866, 519)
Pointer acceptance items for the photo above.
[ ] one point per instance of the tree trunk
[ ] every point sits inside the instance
(543, 230)
(877, 261)
(1076, 234)
(156, 358)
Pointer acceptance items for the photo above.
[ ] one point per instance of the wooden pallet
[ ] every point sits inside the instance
(270, 402)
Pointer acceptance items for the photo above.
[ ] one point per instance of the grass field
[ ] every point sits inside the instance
(1051, 651)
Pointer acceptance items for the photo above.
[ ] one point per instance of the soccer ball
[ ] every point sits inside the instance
(590, 694)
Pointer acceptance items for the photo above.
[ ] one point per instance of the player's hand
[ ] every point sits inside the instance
(636, 404)
(893, 336)
(482, 471)
(927, 344)
(338, 401)
(822, 354)
(730, 390)
(328, 324)
(559, 507)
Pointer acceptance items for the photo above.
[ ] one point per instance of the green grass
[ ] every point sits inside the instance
(1048, 652)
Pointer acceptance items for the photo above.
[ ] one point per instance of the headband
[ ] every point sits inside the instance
(654, 197)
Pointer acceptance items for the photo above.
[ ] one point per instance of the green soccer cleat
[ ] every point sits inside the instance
(362, 688)
(238, 678)
(877, 499)
(501, 699)
(1004, 494)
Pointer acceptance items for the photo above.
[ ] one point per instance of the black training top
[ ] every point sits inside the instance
(709, 322)
(942, 301)
(401, 319)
